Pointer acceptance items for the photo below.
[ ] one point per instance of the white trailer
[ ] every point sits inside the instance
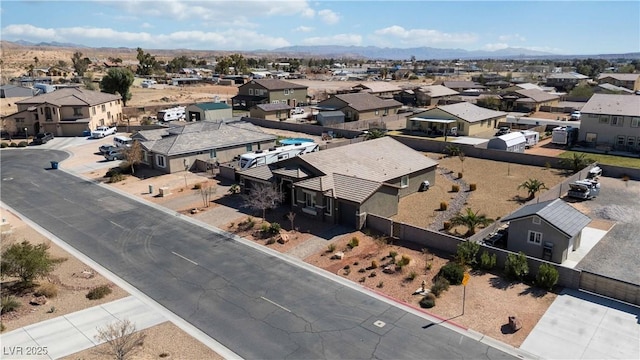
(564, 135)
(584, 189)
(275, 154)
(531, 137)
(176, 113)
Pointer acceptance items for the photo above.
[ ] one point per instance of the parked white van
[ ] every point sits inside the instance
(122, 141)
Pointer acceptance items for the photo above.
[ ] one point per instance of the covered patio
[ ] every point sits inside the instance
(432, 127)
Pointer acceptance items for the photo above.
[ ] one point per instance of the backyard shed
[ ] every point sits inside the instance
(513, 142)
(328, 118)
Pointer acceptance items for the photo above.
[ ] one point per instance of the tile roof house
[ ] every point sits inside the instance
(612, 121)
(566, 81)
(269, 91)
(66, 112)
(463, 85)
(629, 81)
(277, 111)
(12, 91)
(208, 111)
(431, 95)
(178, 148)
(360, 106)
(528, 100)
(548, 230)
(381, 89)
(340, 185)
(469, 119)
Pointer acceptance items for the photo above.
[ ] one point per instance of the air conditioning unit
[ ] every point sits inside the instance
(164, 191)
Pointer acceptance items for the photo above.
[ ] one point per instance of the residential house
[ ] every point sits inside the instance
(611, 120)
(360, 106)
(629, 81)
(467, 118)
(66, 112)
(13, 91)
(341, 185)
(548, 230)
(279, 111)
(607, 88)
(380, 89)
(432, 95)
(461, 86)
(179, 148)
(566, 81)
(269, 91)
(209, 111)
(513, 142)
(528, 100)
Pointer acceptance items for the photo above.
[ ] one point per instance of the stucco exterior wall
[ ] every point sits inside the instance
(384, 202)
(518, 232)
(605, 133)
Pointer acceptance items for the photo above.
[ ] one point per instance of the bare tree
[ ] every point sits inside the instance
(121, 337)
(291, 216)
(462, 157)
(133, 155)
(262, 197)
(206, 191)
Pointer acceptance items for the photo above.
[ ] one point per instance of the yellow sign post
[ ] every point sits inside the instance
(465, 280)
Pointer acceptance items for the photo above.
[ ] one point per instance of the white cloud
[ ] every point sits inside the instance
(340, 39)
(303, 29)
(397, 35)
(496, 46)
(511, 37)
(231, 39)
(328, 16)
(146, 25)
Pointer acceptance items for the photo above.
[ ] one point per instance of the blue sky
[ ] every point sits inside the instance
(560, 27)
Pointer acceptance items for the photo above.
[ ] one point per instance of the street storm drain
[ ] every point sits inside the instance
(379, 323)
(7, 179)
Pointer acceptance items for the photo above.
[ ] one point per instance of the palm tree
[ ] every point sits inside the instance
(576, 162)
(471, 220)
(532, 186)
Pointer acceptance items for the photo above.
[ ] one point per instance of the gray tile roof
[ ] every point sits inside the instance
(438, 91)
(557, 213)
(273, 107)
(276, 84)
(614, 88)
(204, 136)
(259, 172)
(570, 75)
(72, 97)
(470, 112)
(605, 104)
(365, 101)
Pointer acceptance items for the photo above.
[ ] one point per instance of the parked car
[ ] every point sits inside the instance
(114, 155)
(575, 115)
(102, 131)
(297, 111)
(42, 138)
(503, 130)
(106, 148)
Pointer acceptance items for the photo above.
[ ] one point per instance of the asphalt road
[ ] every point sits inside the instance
(254, 303)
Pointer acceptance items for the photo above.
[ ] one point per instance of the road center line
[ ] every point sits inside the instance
(120, 226)
(280, 306)
(180, 256)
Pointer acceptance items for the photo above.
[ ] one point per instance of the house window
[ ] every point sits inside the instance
(386, 112)
(160, 161)
(620, 141)
(249, 147)
(93, 110)
(77, 111)
(250, 91)
(328, 202)
(404, 181)
(604, 119)
(274, 101)
(616, 121)
(309, 203)
(631, 141)
(212, 153)
(290, 91)
(536, 220)
(286, 91)
(534, 237)
(103, 108)
(461, 126)
(635, 122)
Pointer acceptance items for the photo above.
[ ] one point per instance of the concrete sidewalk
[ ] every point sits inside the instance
(71, 333)
(580, 325)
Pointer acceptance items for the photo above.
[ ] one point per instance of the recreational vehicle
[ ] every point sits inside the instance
(584, 189)
(176, 113)
(564, 135)
(275, 154)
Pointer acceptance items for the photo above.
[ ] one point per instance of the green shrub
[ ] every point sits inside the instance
(13, 145)
(380, 284)
(234, 189)
(487, 262)
(98, 292)
(404, 260)
(9, 304)
(466, 252)
(439, 286)
(453, 272)
(331, 248)
(354, 242)
(472, 187)
(4, 145)
(48, 289)
(274, 228)
(393, 254)
(373, 274)
(547, 276)
(446, 225)
(22, 144)
(443, 206)
(362, 279)
(516, 266)
(264, 229)
(428, 301)
(116, 178)
(412, 276)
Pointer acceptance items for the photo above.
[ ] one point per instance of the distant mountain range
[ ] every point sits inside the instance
(368, 52)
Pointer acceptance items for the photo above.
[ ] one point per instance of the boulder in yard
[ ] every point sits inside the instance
(338, 255)
(38, 300)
